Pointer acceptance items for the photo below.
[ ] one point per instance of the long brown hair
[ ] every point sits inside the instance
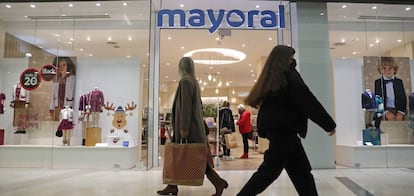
(273, 76)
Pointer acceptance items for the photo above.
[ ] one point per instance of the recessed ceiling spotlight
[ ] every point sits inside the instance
(377, 41)
(243, 45)
(374, 7)
(322, 14)
(343, 40)
(407, 8)
(169, 38)
(98, 4)
(399, 40)
(109, 38)
(70, 5)
(217, 38)
(257, 6)
(354, 52)
(88, 39)
(124, 3)
(182, 47)
(181, 5)
(32, 5)
(90, 54)
(344, 6)
(81, 49)
(343, 57)
(129, 38)
(371, 45)
(270, 39)
(8, 6)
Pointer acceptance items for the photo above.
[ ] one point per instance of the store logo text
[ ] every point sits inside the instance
(197, 18)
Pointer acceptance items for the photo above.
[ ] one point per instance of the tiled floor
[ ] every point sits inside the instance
(62, 182)
(92, 182)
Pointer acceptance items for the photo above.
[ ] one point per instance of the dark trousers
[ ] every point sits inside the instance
(245, 142)
(285, 152)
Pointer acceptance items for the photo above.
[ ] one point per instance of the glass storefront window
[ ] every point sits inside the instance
(79, 67)
(371, 43)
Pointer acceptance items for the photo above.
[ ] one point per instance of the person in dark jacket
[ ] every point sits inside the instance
(226, 127)
(285, 104)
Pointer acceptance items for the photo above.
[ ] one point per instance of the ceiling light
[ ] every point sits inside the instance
(270, 39)
(257, 6)
(28, 54)
(182, 47)
(216, 56)
(344, 6)
(377, 41)
(371, 45)
(343, 40)
(399, 40)
(8, 6)
(129, 38)
(88, 39)
(109, 38)
(227, 83)
(354, 52)
(70, 5)
(98, 4)
(233, 92)
(322, 14)
(209, 77)
(124, 3)
(243, 45)
(169, 38)
(407, 8)
(217, 91)
(374, 7)
(32, 5)
(181, 5)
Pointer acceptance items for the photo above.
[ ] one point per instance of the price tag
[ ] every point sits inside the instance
(30, 79)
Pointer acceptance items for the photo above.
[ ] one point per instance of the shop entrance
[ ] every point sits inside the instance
(222, 76)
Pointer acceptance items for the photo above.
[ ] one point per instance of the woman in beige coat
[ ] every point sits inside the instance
(187, 121)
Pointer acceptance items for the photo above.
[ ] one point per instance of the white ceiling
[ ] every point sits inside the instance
(352, 36)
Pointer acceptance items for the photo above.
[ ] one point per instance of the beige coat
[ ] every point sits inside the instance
(187, 111)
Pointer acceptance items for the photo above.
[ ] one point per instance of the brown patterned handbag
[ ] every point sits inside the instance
(184, 163)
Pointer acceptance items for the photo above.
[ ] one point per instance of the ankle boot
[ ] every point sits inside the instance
(245, 156)
(169, 190)
(219, 183)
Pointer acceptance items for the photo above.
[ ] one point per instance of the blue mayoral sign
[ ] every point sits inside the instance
(197, 18)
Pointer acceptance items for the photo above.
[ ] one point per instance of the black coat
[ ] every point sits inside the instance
(289, 111)
(399, 93)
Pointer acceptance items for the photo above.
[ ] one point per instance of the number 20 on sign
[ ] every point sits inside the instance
(30, 79)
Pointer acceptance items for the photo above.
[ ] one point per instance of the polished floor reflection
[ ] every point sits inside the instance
(62, 182)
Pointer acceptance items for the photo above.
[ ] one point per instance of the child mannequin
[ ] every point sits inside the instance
(66, 123)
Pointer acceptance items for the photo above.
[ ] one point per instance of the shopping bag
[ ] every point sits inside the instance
(184, 163)
(231, 140)
(371, 135)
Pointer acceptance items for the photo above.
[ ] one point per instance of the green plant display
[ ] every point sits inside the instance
(210, 110)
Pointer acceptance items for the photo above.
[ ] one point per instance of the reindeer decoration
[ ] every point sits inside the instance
(119, 121)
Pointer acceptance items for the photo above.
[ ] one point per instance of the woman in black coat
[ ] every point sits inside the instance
(285, 104)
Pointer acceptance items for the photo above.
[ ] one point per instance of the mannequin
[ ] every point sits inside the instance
(368, 106)
(66, 124)
(20, 103)
(84, 113)
(96, 102)
(2, 99)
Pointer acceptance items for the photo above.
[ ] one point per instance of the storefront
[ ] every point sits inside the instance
(120, 74)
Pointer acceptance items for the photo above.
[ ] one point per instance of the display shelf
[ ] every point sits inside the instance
(76, 157)
(384, 156)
